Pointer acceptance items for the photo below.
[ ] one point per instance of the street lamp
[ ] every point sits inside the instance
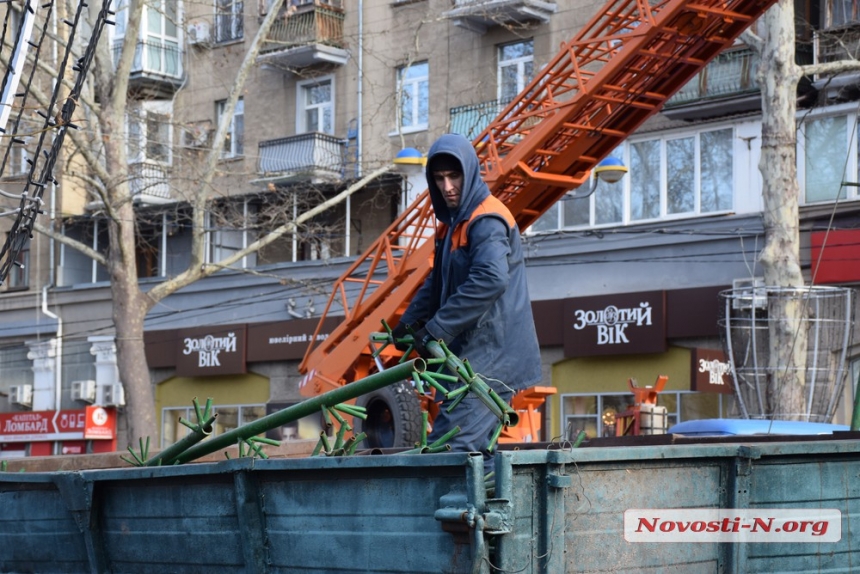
(409, 162)
(610, 170)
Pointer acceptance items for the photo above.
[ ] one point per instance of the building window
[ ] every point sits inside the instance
(516, 68)
(842, 12)
(17, 162)
(825, 149)
(413, 86)
(229, 418)
(149, 136)
(234, 143)
(229, 25)
(596, 414)
(316, 106)
(670, 177)
(18, 277)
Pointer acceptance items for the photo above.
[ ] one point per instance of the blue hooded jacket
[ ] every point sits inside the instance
(476, 297)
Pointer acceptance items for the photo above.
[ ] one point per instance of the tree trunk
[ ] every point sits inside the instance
(780, 259)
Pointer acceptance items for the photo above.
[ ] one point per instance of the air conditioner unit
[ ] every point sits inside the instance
(84, 391)
(198, 33)
(21, 395)
(749, 293)
(113, 395)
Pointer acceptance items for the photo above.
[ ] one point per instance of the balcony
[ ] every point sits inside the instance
(149, 182)
(308, 35)
(471, 120)
(157, 70)
(727, 85)
(313, 157)
(479, 15)
(833, 45)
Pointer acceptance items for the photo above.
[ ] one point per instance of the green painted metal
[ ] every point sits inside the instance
(199, 431)
(549, 511)
(303, 409)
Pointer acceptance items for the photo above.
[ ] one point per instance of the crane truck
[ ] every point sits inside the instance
(599, 88)
(752, 504)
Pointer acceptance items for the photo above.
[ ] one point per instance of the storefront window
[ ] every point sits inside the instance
(596, 414)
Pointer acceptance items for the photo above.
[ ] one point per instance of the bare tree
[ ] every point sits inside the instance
(101, 150)
(778, 76)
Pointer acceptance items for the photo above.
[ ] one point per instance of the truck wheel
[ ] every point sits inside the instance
(393, 417)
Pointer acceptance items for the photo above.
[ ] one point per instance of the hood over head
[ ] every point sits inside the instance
(447, 148)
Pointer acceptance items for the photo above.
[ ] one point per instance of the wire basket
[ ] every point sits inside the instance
(828, 314)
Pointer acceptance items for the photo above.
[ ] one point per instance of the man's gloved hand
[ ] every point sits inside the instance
(399, 332)
(421, 338)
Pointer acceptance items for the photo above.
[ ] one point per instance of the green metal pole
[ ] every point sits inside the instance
(303, 409)
(482, 390)
(196, 435)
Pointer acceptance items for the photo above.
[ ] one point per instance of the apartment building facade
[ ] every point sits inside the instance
(338, 89)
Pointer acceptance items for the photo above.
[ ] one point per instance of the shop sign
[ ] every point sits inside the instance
(615, 324)
(100, 423)
(287, 340)
(28, 426)
(711, 372)
(211, 351)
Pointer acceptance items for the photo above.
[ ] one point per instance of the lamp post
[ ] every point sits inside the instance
(410, 162)
(610, 170)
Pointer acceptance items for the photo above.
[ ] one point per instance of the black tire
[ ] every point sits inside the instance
(402, 428)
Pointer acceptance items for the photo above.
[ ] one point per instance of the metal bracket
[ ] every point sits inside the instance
(559, 480)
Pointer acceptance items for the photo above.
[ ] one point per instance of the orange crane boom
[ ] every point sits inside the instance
(600, 87)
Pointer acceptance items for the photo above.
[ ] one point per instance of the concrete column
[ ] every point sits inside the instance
(44, 357)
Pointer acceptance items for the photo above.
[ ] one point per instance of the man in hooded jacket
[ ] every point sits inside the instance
(476, 298)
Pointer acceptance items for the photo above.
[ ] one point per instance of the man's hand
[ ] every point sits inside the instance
(421, 338)
(398, 333)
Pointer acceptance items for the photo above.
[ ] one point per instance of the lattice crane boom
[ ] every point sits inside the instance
(602, 85)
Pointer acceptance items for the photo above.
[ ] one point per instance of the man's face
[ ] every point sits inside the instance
(450, 183)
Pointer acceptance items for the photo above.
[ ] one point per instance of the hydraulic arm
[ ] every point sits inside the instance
(600, 87)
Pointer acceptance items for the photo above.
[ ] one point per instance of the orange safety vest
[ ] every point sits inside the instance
(490, 206)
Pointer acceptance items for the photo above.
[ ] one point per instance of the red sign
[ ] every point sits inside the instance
(834, 256)
(100, 423)
(28, 426)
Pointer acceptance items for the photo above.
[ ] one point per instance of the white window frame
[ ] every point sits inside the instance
(663, 215)
(520, 64)
(235, 149)
(301, 108)
(217, 248)
(413, 87)
(852, 162)
(163, 108)
(237, 22)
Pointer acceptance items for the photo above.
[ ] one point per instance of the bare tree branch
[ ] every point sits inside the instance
(66, 240)
(192, 274)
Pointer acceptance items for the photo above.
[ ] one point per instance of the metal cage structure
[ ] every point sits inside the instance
(746, 324)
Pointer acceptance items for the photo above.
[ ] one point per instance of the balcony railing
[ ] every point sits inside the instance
(157, 66)
(479, 15)
(836, 44)
(729, 74)
(469, 121)
(149, 180)
(313, 32)
(310, 155)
